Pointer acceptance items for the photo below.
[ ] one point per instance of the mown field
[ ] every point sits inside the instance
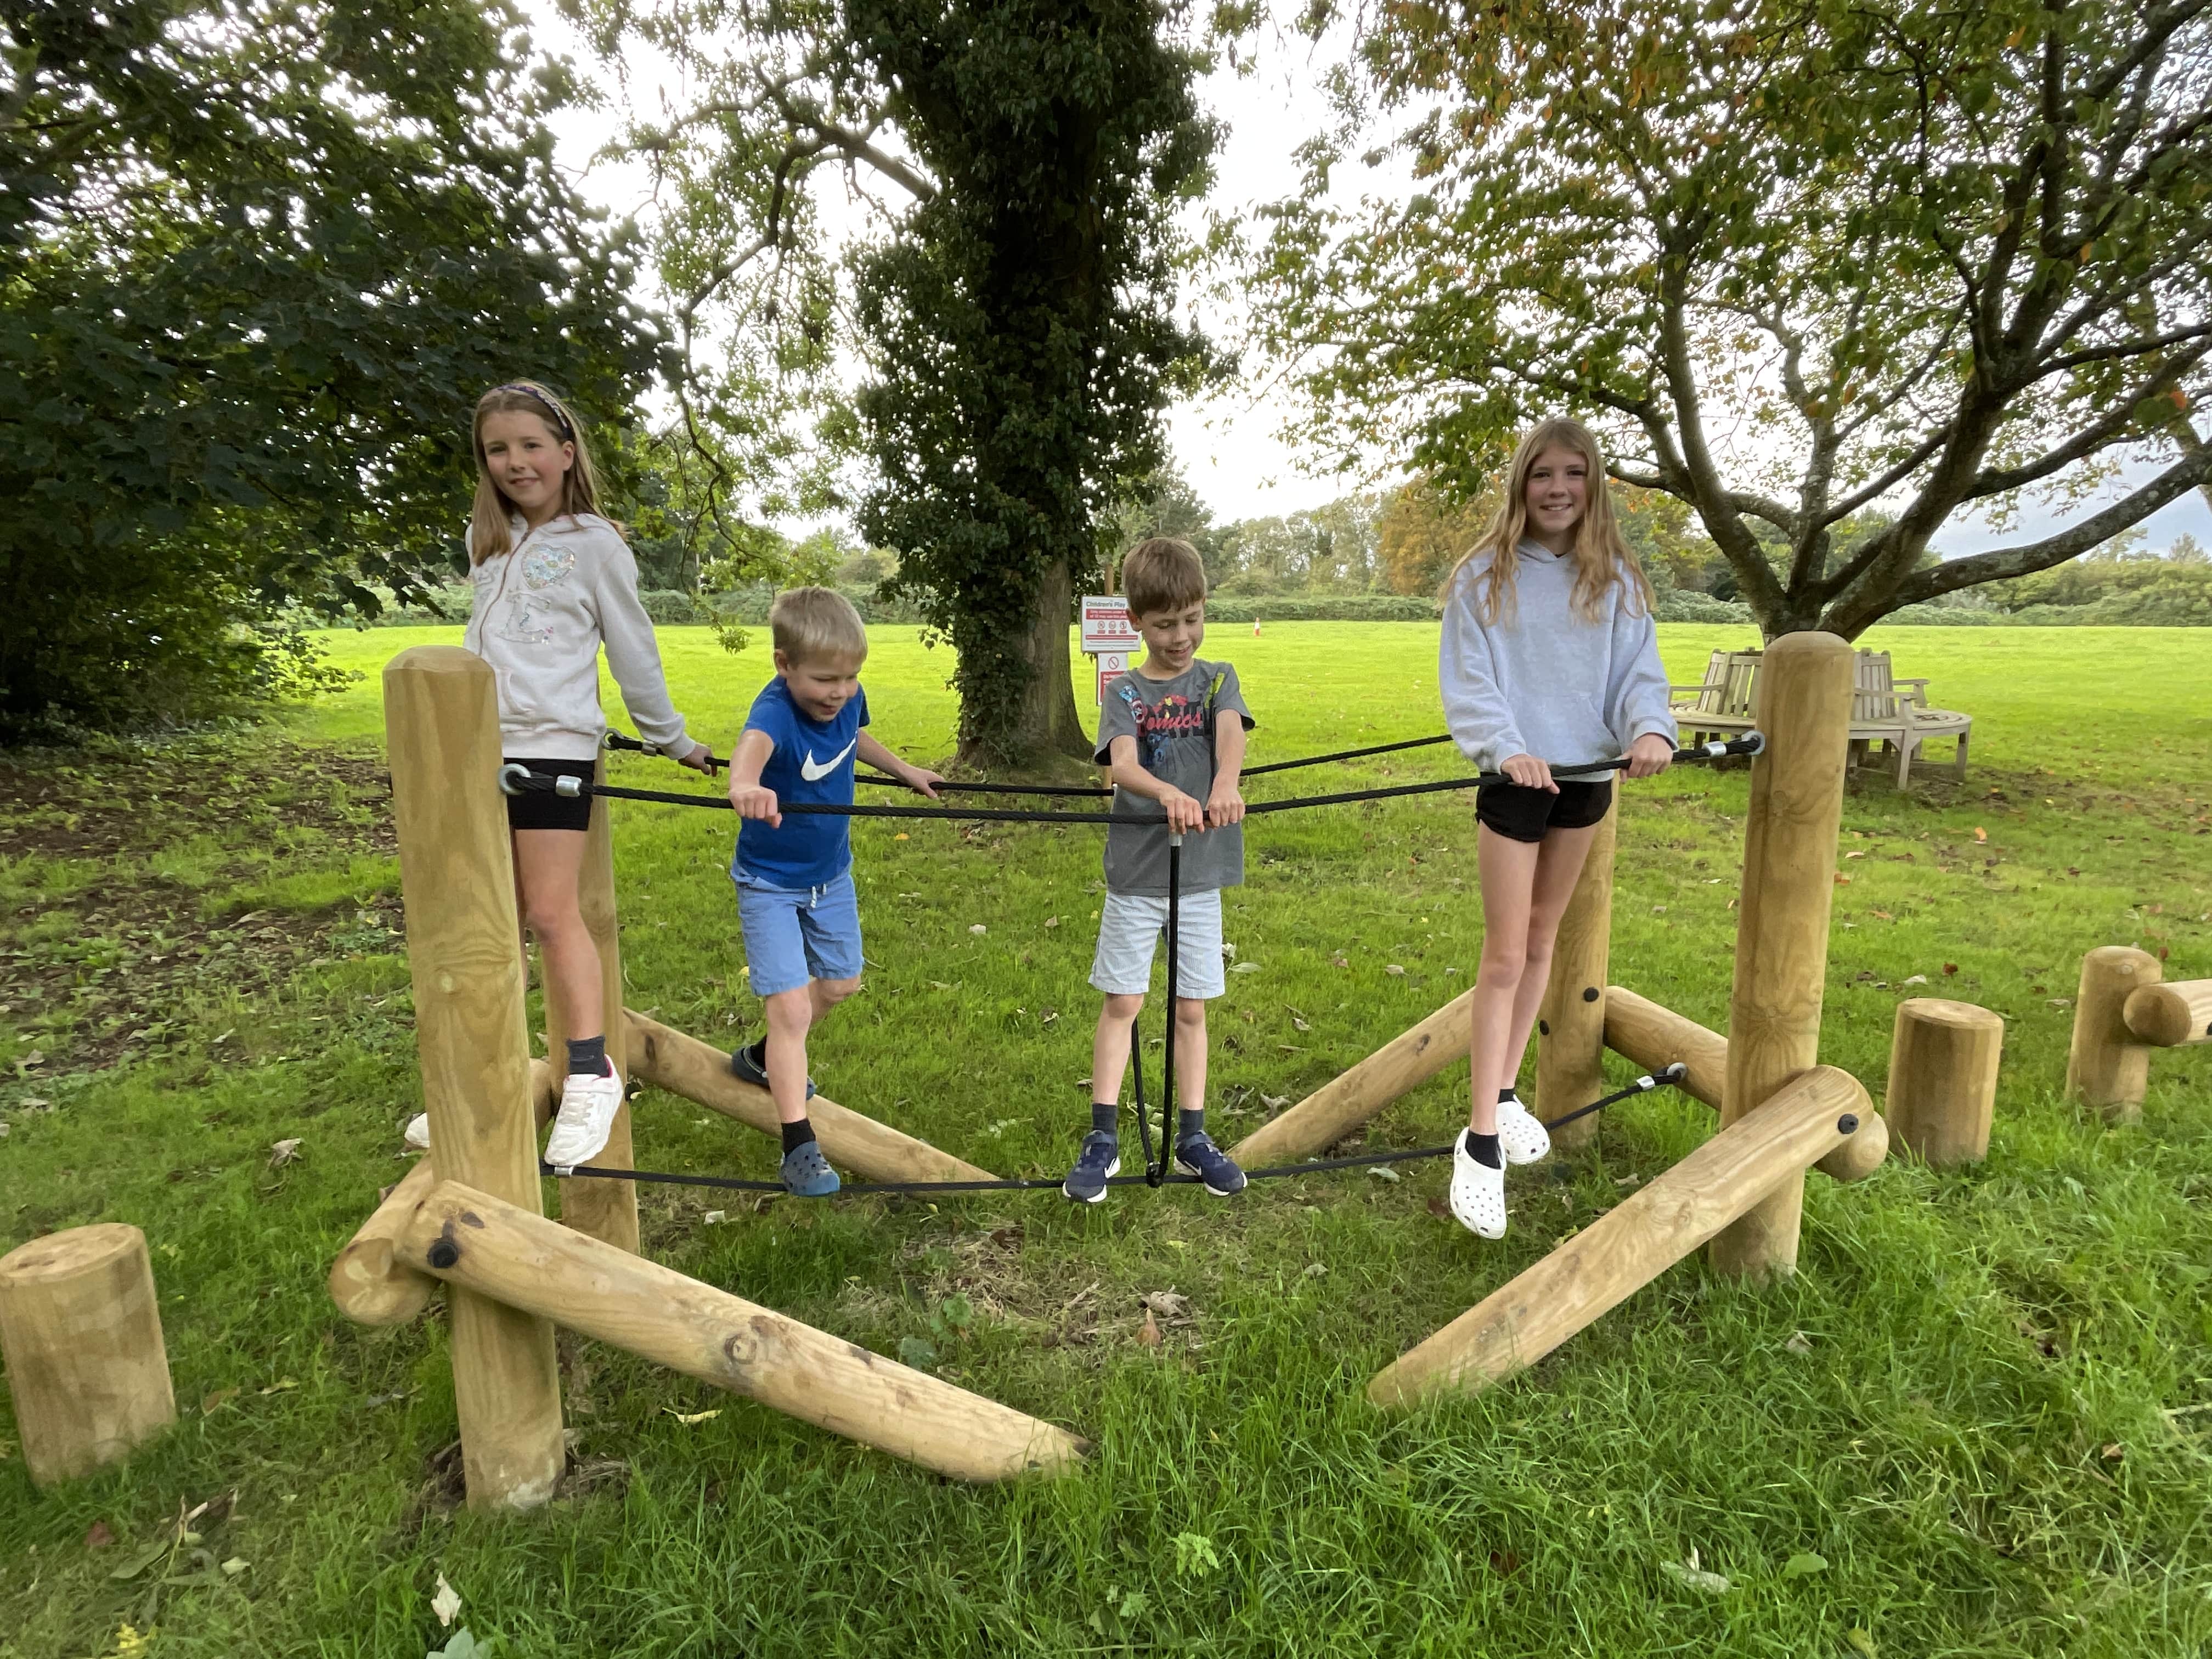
(1978, 1422)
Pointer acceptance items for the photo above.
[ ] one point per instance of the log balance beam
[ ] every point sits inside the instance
(505, 1254)
(1631, 1244)
(2121, 1013)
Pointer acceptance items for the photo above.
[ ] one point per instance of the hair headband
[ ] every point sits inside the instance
(559, 421)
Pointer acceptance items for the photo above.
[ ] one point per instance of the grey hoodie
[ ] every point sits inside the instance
(539, 615)
(1546, 682)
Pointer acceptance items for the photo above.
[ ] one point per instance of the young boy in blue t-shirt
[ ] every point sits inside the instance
(796, 903)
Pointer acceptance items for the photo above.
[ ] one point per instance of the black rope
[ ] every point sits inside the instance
(1346, 754)
(1666, 1077)
(516, 779)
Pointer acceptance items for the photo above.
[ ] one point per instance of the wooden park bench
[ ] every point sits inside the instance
(1892, 712)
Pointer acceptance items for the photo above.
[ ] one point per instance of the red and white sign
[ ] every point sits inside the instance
(1112, 664)
(1105, 625)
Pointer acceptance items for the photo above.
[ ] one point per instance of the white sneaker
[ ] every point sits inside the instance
(1521, 1137)
(588, 1105)
(417, 1132)
(1478, 1193)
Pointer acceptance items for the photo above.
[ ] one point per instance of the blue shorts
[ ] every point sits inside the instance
(793, 935)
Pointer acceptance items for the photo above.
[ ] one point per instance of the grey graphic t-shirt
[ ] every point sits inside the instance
(1173, 722)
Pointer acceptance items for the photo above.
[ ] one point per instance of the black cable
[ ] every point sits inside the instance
(1345, 754)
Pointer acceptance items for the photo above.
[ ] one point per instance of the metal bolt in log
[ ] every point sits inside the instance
(1804, 692)
(457, 874)
(2107, 1066)
(1342, 1104)
(81, 1331)
(1943, 1062)
(1570, 1055)
(1633, 1242)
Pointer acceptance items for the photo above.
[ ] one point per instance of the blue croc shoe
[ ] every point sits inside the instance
(747, 1067)
(1099, 1161)
(806, 1173)
(1197, 1155)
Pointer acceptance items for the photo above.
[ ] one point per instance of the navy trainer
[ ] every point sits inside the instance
(806, 1173)
(1197, 1155)
(748, 1068)
(1099, 1160)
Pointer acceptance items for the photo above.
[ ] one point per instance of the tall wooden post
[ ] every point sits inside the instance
(1570, 1020)
(1943, 1080)
(456, 872)
(607, 1210)
(2106, 1066)
(81, 1329)
(1804, 701)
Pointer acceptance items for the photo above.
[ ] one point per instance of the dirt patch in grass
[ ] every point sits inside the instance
(118, 872)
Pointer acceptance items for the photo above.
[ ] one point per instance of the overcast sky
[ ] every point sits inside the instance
(1230, 446)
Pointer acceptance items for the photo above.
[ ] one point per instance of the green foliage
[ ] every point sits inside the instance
(259, 259)
(1672, 220)
(1019, 331)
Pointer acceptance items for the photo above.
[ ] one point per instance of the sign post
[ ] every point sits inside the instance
(1108, 637)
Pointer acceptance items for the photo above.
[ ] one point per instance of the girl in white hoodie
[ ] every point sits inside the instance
(554, 582)
(1549, 654)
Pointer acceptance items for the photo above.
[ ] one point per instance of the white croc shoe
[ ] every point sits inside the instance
(588, 1105)
(417, 1132)
(1521, 1137)
(1478, 1193)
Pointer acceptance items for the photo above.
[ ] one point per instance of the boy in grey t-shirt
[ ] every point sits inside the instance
(1173, 736)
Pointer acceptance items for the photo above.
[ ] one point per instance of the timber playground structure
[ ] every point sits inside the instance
(470, 1214)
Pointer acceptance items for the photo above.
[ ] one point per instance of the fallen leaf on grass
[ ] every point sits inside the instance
(1168, 1304)
(99, 1536)
(1275, 1102)
(1150, 1335)
(1391, 968)
(283, 1151)
(1915, 979)
(1800, 1343)
(901, 835)
(217, 1401)
(283, 1385)
(1316, 1269)
(714, 1218)
(1980, 834)
(1382, 1172)
(1881, 915)
(687, 1419)
(1797, 1566)
(1439, 1209)
(1504, 1563)
(446, 1602)
(1243, 967)
(234, 1566)
(1691, 1574)
(1228, 951)
(1950, 967)
(2113, 1453)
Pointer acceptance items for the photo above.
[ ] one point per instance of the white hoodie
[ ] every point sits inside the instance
(540, 613)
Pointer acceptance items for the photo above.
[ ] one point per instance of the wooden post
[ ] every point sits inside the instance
(607, 1210)
(669, 1060)
(1342, 1104)
(1642, 1032)
(1943, 1078)
(81, 1331)
(2106, 1066)
(2170, 1016)
(368, 1281)
(1632, 1244)
(1570, 1020)
(508, 1252)
(1782, 930)
(456, 873)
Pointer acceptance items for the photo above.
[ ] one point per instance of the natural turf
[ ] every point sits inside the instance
(1992, 1440)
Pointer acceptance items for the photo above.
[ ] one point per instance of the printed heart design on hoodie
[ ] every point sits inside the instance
(544, 566)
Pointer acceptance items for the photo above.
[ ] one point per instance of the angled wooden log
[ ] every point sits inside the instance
(2172, 1015)
(1796, 806)
(1644, 1033)
(1570, 1020)
(505, 1253)
(605, 1209)
(2107, 1065)
(457, 874)
(699, 1072)
(368, 1281)
(1943, 1058)
(1342, 1104)
(1632, 1244)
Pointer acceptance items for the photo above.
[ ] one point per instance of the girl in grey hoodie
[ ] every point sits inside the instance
(554, 582)
(1549, 650)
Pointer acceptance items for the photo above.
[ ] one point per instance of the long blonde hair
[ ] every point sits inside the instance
(1600, 552)
(490, 536)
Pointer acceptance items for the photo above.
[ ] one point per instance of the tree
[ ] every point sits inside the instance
(260, 256)
(1014, 310)
(1922, 256)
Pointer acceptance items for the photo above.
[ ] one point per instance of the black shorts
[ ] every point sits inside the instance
(1519, 813)
(534, 810)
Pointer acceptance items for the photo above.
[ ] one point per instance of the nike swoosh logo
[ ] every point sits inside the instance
(814, 771)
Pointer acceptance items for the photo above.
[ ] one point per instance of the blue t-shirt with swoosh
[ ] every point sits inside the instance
(812, 762)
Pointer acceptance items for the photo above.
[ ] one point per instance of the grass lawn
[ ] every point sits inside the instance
(1995, 1436)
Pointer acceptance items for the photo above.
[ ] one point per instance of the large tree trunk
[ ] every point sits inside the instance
(1043, 720)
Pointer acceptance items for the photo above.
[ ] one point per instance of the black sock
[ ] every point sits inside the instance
(1105, 1117)
(1484, 1150)
(1508, 1093)
(758, 1053)
(587, 1056)
(1188, 1124)
(796, 1135)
